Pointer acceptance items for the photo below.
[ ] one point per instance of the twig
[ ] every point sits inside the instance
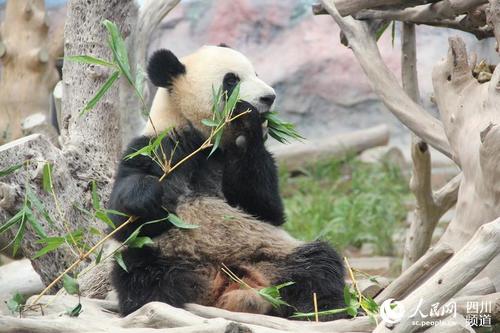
(83, 257)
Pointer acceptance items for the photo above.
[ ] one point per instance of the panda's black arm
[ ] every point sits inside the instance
(137, 190)
(251, 182)
(250, 176)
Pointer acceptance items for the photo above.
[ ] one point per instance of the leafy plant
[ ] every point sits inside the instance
(346, 202)
(280, 130)
(11, 169)
(272, 294)
(16, 303)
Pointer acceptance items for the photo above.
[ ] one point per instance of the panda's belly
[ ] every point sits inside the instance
(224, 235)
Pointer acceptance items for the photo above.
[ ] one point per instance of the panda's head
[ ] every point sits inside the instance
(186, 86)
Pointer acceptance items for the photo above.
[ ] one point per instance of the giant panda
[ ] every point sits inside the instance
(232, 196)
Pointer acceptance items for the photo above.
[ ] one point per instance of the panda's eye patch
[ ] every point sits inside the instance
(230, 80)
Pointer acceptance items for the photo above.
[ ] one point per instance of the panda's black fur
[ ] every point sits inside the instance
(243, 177)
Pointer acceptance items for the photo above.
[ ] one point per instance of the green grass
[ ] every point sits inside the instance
(346, 202)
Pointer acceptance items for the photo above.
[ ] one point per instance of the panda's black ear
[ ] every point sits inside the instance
(224, 45)
(164, 67)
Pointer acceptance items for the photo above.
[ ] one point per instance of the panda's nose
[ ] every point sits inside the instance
(268, 99)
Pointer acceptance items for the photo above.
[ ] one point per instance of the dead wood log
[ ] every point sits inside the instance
(452, 324)
(359, 324)
(403, 284)
(482, 286)
(297, 155)
(101, 316)
(450, 278)
(29, 72)
(349, 7)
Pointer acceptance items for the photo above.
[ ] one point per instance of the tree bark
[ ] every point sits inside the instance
(29, 73)
(90, 146)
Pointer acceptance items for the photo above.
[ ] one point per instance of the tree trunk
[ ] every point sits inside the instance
(90, 145)
(29, 74)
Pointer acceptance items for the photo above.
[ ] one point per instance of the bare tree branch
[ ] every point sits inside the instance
(349, 7)
(385, 84)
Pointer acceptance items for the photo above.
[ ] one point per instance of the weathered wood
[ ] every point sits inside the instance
(297, 155)
(359, 324)
(450, 278)
(402, 285)
(386, 85)
(100, 316)
(90, 145)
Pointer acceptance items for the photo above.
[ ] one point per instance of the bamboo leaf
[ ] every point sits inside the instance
(47, 178)
(217, 140)
(119, 260)
(19, 235)
(75, 312)
(13, 220)
(105, 218)
(139, 242)
(114, 212)
(99, 256)
(37, 227)
(16, 303)
(179, 223)
(96, 201)
(86, 59)
(140, 77)
(320, 313)
(53, 244)
(38, 205)
(117, 45)
(100, 93)
(209, 122)
(281, 130)
(70, 284)
(381, 30)
(11, 169)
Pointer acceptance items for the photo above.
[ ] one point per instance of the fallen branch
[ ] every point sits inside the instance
(452, 277)
(482, 286)
(452, 324)
(402, 285)
(296, 155)
(101, 316)
(349, 7)
(359, 324)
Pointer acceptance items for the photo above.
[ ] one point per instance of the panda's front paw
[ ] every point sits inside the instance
(245, 132)
(147, 198)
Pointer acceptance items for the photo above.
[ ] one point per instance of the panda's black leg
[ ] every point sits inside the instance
(250, 176)
(152, 277)
(315, 268)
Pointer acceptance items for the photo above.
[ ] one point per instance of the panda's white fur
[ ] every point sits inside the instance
(192, 94)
